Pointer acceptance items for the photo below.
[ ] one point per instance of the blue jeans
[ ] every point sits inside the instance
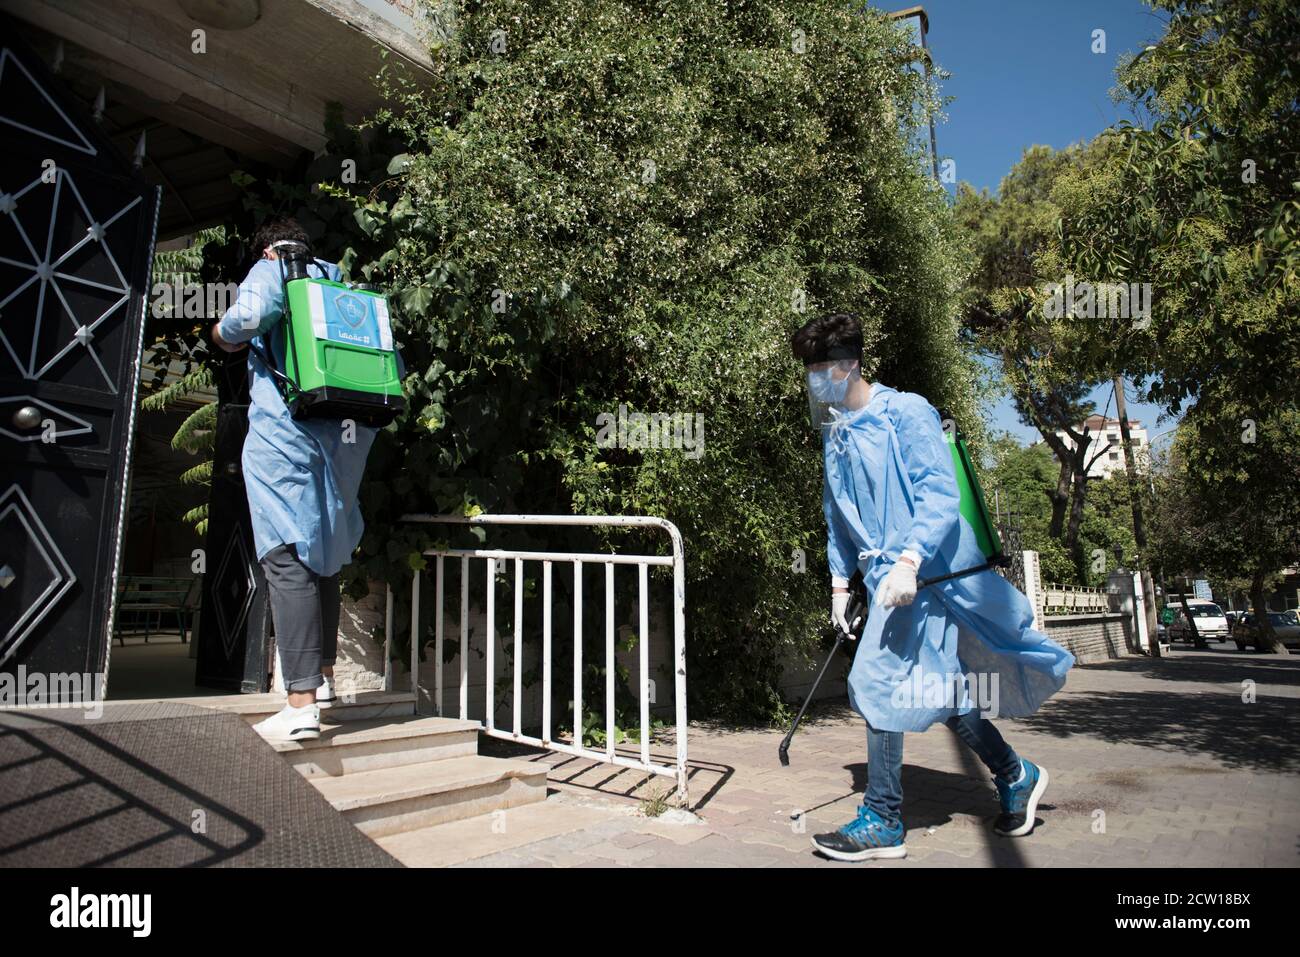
(884, 793)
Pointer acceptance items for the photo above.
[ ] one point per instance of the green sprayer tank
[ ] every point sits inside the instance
(339, 351)
(973, 507)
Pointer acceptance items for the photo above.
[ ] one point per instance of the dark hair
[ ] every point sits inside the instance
(834, 336)
(275, 230)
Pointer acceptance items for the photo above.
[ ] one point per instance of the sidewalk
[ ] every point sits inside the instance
(1152, 764)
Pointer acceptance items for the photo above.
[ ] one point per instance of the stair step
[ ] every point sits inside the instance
(366, 706)
(368, 745)
(395, 799)
(458, 842)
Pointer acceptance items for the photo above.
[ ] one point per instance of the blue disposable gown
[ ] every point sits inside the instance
(890, 487)
(301, 476)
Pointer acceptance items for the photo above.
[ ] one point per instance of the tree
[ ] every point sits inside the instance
(1005, 316)
(1200, 202)
(1023, 479)
(1107, 530)
(1225, 530)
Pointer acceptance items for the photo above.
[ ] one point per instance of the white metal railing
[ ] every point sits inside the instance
(1074, 599)
(492, 556)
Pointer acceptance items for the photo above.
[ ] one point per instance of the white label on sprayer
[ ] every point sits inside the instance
(342, 315)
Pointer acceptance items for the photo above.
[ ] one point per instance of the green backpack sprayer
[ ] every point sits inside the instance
(340, 362)
(975, 510)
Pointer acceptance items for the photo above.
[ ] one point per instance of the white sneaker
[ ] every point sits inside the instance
(291, 724)
(325, 696)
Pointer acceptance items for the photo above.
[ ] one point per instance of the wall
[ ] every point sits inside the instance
(1091, 638)
(360, 662)
(797, 679)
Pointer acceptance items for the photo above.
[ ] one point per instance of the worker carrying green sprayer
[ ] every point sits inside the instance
(323, 377)
(958, 646)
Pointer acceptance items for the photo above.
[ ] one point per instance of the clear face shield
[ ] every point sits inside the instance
(829, 384)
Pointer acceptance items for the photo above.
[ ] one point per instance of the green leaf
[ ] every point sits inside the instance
(417, 299)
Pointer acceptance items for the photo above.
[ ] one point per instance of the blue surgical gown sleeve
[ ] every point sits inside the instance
(257, 307)
(260, 302)
(928, 460)
(840, 551)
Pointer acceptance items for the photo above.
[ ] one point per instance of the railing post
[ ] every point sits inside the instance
(546, 652)
(609, 659)
(517, 697)
(464, 639)
(415, 638)
(388, 638)
(491, 680)
(577, 653)
(679, 666)
(437, 641)
(643, 649)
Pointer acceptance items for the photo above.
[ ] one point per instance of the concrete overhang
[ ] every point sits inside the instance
(260, 89)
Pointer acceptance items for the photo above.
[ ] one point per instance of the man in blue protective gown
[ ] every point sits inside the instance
(302, 477)
(958, 652)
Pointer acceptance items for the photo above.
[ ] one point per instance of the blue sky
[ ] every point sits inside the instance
(1023, 73)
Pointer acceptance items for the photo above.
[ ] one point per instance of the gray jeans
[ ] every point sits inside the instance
(305, 609)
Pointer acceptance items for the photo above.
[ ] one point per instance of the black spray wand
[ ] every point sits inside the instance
(856, 616)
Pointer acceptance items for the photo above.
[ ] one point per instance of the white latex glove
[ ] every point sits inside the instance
(899, 586)
(839, 605)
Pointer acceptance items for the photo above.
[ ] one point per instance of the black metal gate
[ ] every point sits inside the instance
(77, 226)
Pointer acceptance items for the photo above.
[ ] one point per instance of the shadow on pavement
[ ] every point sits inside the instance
(1261, 735)
(1210, 666)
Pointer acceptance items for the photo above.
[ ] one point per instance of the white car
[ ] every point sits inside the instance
(1211, 623)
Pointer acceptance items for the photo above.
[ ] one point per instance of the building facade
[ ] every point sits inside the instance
(1105, 446)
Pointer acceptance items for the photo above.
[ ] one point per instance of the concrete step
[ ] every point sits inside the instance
(395, 799)
(378, 743)
(466, 840)
(366, 705)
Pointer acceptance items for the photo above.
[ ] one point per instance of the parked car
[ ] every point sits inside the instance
(1285, 626)
(1210, 621)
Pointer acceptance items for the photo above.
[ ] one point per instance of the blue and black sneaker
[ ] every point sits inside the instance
(1020, 800)
(864, 838)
